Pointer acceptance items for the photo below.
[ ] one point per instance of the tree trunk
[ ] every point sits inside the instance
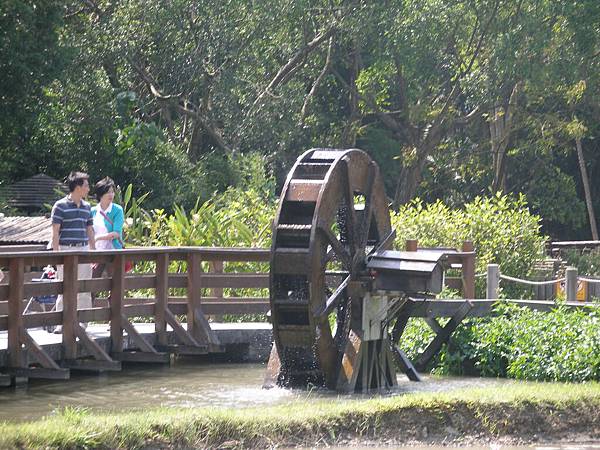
(348, 137)
(196, 141)
(586, 189)
(409, 179)
(500, 132)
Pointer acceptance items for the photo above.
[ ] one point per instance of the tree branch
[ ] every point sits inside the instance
(292, 65)
(317, 82)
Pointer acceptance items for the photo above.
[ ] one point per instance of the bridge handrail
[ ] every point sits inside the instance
(571, 283)
(531, 282)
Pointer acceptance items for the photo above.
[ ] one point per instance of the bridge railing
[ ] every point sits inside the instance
(575, 287)
(192, 331)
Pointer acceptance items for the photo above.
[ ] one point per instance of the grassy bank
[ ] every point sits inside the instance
(523, 411)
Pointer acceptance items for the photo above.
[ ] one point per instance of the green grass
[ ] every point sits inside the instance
(479, 411)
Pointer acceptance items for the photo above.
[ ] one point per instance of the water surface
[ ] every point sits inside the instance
(185, 384)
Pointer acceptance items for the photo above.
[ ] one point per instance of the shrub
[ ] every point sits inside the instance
(501, 227)
(520, 343)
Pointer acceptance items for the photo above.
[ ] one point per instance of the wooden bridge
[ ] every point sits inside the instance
(165, 306)
(180, 324)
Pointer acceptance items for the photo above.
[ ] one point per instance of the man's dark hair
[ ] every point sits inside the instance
(103, 186)
(76, 179)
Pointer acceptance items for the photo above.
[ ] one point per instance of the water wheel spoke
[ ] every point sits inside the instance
(349, 199)
(368, 211)
(385, 243)
(337, 248)
(333, 301)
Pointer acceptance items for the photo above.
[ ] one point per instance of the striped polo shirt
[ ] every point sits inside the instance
(73, 221)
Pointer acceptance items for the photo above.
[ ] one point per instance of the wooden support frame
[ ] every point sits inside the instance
(442, 337)
(101, 362)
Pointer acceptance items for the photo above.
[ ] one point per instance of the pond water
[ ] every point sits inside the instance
(184, 384)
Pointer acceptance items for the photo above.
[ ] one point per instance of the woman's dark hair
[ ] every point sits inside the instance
(76, 179)
(103, 186)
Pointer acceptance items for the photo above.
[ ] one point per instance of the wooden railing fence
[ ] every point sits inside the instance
(193, 334)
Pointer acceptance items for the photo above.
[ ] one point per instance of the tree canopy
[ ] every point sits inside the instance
(454, 98)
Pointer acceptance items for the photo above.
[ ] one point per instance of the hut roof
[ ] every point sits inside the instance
(25, 230)
(32, 193)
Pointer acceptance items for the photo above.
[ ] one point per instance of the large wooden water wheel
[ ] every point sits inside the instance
(332, 212)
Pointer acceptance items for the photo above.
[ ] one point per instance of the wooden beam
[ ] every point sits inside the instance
(441, 338)
(38, 372)
(15, 312)
(91, 345)
(40, 355)
(194, 272)
(179, 331)
(434, 325)
(179, 349)
(137, 337)
(116, 298)
(162, 297)
(225, 280)
(70, 285)
(92, 365)
(468, 270)
(203, 333)
(143, 357)
(405, 364)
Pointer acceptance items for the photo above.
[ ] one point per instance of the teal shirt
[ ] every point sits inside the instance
(118, 218)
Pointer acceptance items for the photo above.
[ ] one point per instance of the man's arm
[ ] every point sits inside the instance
(55, 234)
(91, 237)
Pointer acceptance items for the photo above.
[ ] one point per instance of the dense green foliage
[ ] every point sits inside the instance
(587, 263)
(502, 229)
(454, 99)
(561, 345)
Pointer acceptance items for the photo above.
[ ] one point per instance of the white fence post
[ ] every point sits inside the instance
(493, 281)
(571, 284)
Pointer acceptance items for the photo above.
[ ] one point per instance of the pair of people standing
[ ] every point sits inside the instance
(76, 225)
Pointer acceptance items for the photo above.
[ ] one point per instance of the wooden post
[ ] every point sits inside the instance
(15, 311)
(217, 267)
(411, 245)
(194, 270)
(70, 290)
(468, 271)
(571, 284)
(493, 281)
(162, 297)
(116, 300)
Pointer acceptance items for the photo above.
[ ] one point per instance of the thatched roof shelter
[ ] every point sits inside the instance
(31, 194)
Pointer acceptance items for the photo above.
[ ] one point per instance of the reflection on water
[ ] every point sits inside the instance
(185, 384)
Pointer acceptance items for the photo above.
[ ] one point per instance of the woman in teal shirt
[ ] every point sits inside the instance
(108, 221)
(108, 217)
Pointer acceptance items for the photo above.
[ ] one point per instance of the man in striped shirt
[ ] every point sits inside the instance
(72, 229)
